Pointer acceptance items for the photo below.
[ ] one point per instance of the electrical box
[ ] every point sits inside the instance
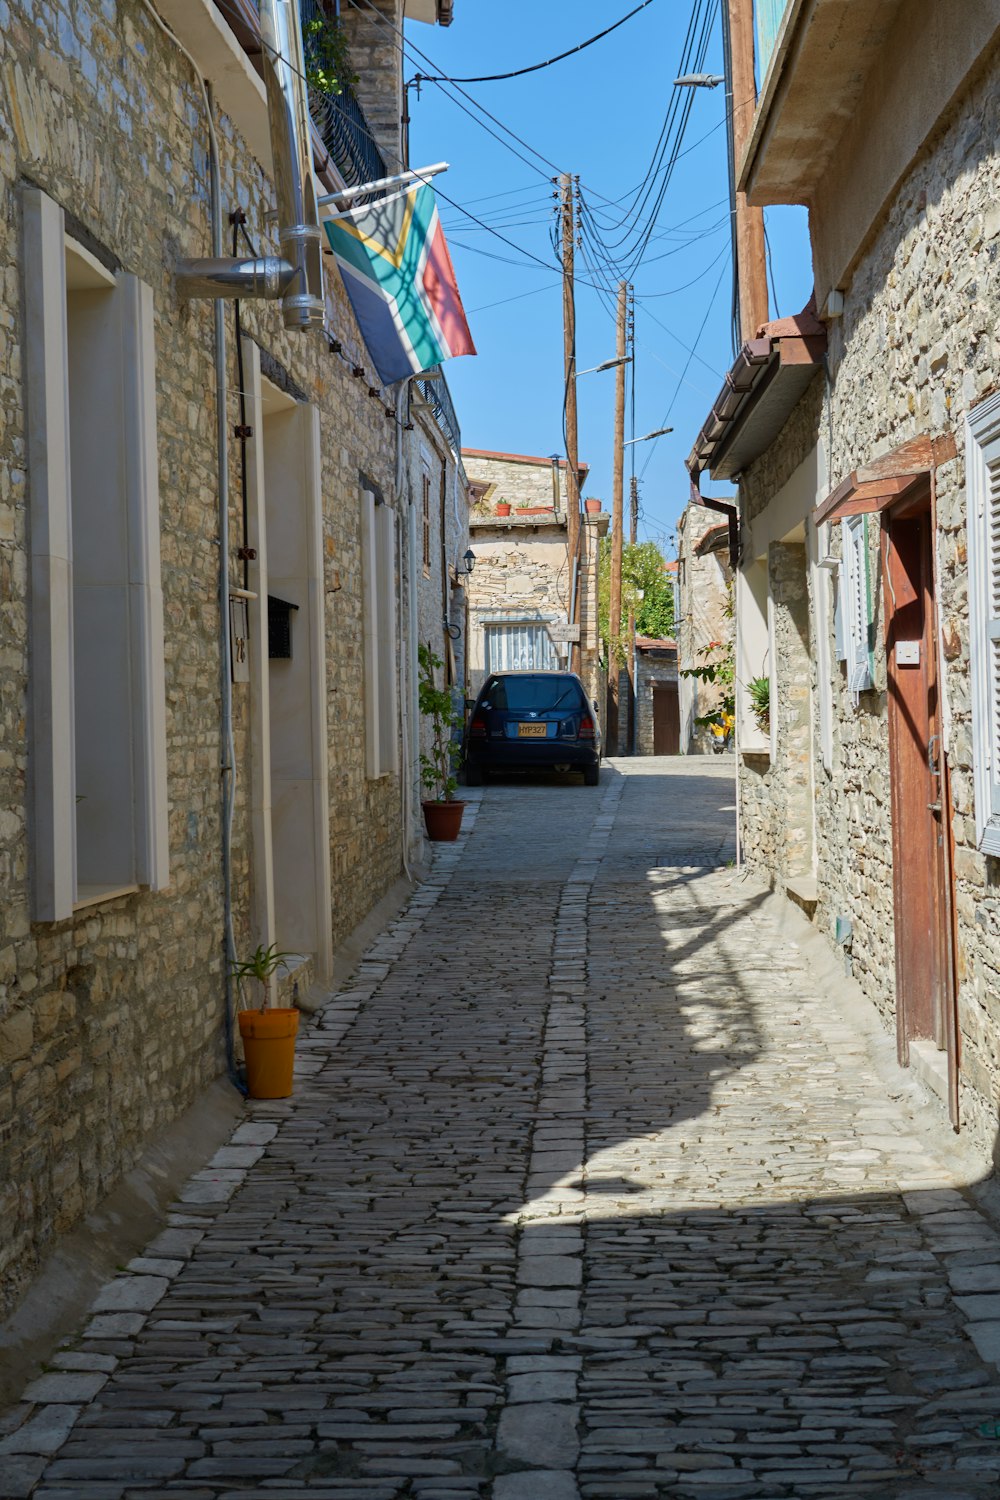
(907, 653)
(279, 628)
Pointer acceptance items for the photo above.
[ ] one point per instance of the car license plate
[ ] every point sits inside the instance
(532, 731)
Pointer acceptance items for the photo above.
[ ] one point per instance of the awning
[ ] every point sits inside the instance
(762, 388)
(887, 479)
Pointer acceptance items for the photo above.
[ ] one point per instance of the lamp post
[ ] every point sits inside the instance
(574, 531)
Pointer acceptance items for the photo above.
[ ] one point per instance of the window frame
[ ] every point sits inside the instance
(53, 794)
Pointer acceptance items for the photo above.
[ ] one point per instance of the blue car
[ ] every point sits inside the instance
(532, 721)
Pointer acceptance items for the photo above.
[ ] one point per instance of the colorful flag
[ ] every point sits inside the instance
(395, 264)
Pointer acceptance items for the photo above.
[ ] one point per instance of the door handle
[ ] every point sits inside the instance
(933, 768)
(934, 807)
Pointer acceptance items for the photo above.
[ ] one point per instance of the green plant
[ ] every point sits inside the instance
(262, 963)
(759, 690)
(328, 63)
(437, 770)
(647, 593)
(719, 668)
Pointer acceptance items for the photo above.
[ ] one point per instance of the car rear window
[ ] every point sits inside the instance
(541, 694)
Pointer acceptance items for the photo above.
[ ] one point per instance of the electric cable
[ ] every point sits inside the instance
(536, 67)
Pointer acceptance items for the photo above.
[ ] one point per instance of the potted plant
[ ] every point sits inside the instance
(759, 689)
(503, 507)
(268, 1032)
(592, 507)
(442, 813)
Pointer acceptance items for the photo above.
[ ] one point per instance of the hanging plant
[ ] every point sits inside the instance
(328, 62)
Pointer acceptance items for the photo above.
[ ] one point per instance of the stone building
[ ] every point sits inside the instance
(866, 441)
(657, 724)
(205, 574)
(519, 592)
(703, 621)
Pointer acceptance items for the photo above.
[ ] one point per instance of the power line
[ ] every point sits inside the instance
(535, 67)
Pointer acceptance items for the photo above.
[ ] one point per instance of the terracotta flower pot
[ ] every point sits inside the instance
(535, 510)
(503, 509)
(443, 820)
(269, 1049)
(592, 507)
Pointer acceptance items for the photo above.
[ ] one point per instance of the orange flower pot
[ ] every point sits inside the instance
(269, 1048)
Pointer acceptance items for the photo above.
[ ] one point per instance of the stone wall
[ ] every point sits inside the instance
(111, 1022)
(915, 349)
(519, 480)
(703, 581)
(651, 671)
(521, 570)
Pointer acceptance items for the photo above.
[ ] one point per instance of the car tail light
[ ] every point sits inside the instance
(477, 729)
(586, 730)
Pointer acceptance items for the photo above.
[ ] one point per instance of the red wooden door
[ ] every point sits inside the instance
(919, 858)
(666, 720)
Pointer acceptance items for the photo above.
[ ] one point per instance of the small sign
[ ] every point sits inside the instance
(562, 631)
(907, 653)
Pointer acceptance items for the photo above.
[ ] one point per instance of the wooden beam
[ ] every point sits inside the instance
(877, 484)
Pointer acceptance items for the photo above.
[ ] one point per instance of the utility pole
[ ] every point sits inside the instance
(633, 534)
(567, 194)
(617, 507)
(750, 247)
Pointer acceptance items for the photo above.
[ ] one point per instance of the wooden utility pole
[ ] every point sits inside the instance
(617, 507)
(750, 248)
(633, 536)
(567, 195)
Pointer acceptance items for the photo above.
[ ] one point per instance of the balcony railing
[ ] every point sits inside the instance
(341, 121)
(769, 15)
(437, 395)
(338, 118)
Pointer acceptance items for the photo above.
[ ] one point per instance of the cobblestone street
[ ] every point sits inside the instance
(588, 1190)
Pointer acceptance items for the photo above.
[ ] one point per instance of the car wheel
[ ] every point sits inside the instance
(473, 775)
(591, 775)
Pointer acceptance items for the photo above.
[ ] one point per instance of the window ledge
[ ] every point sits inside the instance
(93, 895)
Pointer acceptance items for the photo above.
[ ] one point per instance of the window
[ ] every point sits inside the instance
(98, 745)
(982, 456)
(378, 543)
(427, 523)
(520, 646)
(856, 617)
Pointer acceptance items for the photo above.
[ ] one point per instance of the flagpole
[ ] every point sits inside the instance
(418, 174)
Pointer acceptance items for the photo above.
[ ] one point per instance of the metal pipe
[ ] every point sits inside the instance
(299, 234)
(264, 276)
(398, 179)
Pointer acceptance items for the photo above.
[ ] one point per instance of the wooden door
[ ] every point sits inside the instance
(666, 720)
(919, 857)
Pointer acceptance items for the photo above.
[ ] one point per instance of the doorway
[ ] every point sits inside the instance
(666, 720)
(290, 796)
(918, 780)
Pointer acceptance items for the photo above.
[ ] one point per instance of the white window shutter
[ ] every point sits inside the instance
(992, 624)
(857, 608)
(982, 469)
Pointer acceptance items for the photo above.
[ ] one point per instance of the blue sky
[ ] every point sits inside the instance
(598, 115)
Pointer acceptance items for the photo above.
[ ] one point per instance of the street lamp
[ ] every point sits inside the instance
(699, 80)
(660, 431)
(608, 364)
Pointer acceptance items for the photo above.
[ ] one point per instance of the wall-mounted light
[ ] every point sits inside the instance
(470, 560)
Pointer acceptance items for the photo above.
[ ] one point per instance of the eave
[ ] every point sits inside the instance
(815, 79)
(761, 390)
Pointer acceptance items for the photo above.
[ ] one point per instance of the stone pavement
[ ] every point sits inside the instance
(588, 1190)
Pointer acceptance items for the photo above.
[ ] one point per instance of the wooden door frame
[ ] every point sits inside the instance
(942, 887)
